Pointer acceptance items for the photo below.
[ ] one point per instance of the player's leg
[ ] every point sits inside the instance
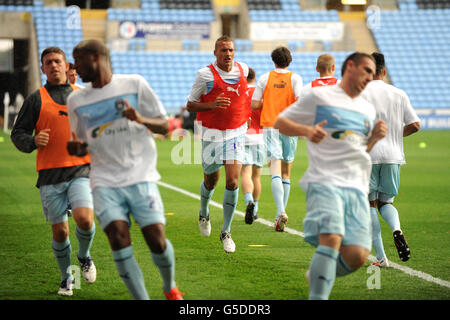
(274, 156)
(230, 199)
(389, 186)
(357, 240)
(323, 227)
(55, 207)
(256, 178)
(247, 189)
(80, 198)
(163, 255)
(286, 180)
(289, 145)
(211, 164)
(112, 211)
(148, 211)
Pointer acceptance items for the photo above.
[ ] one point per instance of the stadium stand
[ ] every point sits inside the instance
(415, 40)
(415, 43)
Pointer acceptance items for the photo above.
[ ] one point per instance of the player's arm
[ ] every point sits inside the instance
(76, 147)
(221, 102)
(256, 105)
(22, 132)
(289, 127)
(411, 128)
(378, 132)
(156, 125)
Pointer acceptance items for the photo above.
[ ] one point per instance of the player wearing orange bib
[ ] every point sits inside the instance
(63, 179)
(274, 92)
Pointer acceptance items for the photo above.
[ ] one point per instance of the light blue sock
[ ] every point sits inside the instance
(390, 215)
(248, 197)
(63, 251)
(278, 193)
(286, 190)
(377, 241)
(255, 211)
(130, 273)
(342, 268)
(206, 196)
(230, 198)
(85, 239)
(166, 264)
(322, 273)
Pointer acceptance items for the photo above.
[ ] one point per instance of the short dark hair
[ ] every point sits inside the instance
(52, 50)
(281, 56)
(92, 46)
(356, 57)
(379, 63)
(251, 74)
(223, 39)
(71, 66)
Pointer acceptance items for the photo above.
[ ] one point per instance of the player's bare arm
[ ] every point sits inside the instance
(256, 105)
(379, 132)
(221, 102)
(289, 127)
(76, 147)
(157, 125)
(411, 128)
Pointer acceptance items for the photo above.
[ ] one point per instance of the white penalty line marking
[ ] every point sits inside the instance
(404, 269)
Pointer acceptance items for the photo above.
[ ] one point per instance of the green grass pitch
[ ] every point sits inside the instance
(267, 265)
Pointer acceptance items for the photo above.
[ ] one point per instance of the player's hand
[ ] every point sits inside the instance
(75, 147)
(222, 102)
(42, 138)
(379, 130)
(131, 113)
(316, 132)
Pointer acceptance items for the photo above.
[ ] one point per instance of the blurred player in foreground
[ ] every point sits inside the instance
(338, 123)
(114, 116)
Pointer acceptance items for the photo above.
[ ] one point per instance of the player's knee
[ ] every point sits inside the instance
(358, 259)
(118, 236)
(232, 184)
(381, 204)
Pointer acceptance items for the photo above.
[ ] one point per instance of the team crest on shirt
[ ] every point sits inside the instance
(345, 124)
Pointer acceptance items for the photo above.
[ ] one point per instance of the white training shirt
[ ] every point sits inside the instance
(203, 83)
(393, 107)
(123, 152)
(296, 82)
(340, 159)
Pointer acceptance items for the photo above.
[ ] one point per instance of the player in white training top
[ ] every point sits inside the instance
(114, 116)
(338, 123)
(394, 108)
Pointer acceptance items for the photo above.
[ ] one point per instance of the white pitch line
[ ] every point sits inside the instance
(394, 265)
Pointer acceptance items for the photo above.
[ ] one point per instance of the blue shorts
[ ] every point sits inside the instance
(142, 200)
(279, 146)
(384, 182)
(56, 198)
(337, 210)
(214, 154)
(255, 154)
